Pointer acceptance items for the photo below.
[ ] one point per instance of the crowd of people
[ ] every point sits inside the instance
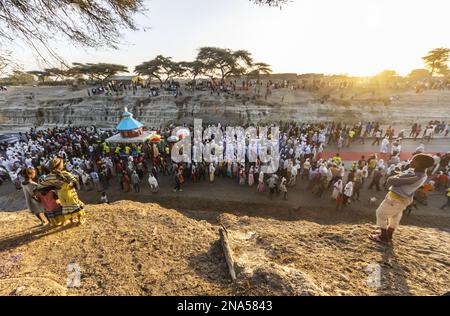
(51, 165)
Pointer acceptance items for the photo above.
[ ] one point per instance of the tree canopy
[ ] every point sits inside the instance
(259, 69)
(386, 75)
(41, 75)
(18, 77)
(419, 74)
(100, 71)
(192, 69)
(93, 23)
(161, 68)
(437, 61)
(223, 62)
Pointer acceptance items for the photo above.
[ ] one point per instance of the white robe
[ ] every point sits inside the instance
(337, 188)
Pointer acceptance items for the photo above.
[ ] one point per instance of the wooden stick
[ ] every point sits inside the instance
(227, 251)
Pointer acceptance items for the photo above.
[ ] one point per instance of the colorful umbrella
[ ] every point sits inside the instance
(173, 139)
(155, 138)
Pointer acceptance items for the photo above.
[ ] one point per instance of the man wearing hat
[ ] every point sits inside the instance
(401, 192)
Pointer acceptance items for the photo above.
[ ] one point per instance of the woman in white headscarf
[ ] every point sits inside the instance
(306, 167)
(251, 176)
(153, 183)
(261, 187)
(348, 192)
(337, 189)
(212, 170)
(381, 164)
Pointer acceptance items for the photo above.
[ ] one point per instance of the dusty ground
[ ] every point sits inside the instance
(130, 248)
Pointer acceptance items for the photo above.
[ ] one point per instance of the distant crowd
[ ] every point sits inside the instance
(51, 165)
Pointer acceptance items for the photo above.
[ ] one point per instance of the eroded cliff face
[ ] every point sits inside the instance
(47, 106)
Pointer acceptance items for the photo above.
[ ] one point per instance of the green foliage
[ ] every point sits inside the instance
(41, 75)
(419, 74)
(259, 69)
(437, 61)
(161, 68)
(100, 71)
(18, 77)
(192, 69)
(222, 62)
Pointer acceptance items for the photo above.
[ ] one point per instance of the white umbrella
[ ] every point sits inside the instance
(173, 139)
(184, 132)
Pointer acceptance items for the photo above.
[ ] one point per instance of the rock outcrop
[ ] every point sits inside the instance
(47, 106)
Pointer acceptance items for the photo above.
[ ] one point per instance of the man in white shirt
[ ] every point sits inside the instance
(429, 133)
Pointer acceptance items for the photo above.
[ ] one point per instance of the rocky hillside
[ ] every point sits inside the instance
(129, 248)
(59, 105)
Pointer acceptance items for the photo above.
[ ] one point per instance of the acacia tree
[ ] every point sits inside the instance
(386, 75)
(437, 60)
(223, 62)
(100, 71)
(57, 73)
(88, 23)
(18, 77)
(192, 69)
(419, 74)
(260, 68)
(93, 23)
(41, 75)
(161, 68)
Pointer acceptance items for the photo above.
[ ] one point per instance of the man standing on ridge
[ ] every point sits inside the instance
(400, 195)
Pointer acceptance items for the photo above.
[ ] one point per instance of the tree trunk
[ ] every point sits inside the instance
(227, 252)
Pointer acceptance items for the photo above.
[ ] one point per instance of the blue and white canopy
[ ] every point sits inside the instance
(128, 123)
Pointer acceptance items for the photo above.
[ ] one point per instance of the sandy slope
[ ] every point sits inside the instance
(129, 248)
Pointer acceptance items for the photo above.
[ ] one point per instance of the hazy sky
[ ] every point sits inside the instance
(358, 37)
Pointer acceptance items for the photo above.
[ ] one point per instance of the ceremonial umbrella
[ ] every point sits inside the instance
(155, 138)
(184, 132)
(173, 139)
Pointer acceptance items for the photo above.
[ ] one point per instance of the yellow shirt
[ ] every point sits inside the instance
(127, 150)
(117, 149)
(337, 159)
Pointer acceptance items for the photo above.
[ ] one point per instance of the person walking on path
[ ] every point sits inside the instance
(377, 175)
(377, 138)
(272, 184)
(95, 180)
(348, 192)
(283, 188)
(135, 180)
